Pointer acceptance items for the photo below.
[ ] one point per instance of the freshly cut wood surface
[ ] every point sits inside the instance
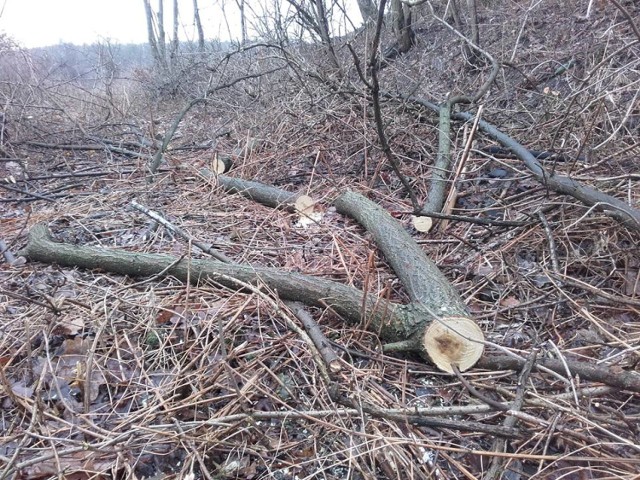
(454, 341)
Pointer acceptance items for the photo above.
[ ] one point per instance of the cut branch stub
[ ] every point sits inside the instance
(453, 340)
(221, 164)
(422, 224)
(304, 204)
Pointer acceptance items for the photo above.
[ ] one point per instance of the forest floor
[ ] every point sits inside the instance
(107, 376)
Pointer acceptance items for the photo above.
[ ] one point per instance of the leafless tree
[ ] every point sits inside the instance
(155, 34)
(175, 44)
(472, 9)
(405, 38)
(367, 10)
(198, 22)
(473, 21)
(315, 18)
(243, 21)
(162, 46)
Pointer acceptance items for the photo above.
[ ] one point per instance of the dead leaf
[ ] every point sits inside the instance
(164, 316)
(77, 465)
(510, 302)
(72, 326)
(75, 346)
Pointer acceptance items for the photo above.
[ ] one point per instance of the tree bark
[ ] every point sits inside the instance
(259, 192)
(425, 284)
(405, 38)
(442, 166)
(175, 43)
(152, 36)
(198, 22)
(368, 11)
(243, 21)
(162, 46)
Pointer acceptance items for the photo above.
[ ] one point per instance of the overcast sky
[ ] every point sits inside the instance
(37, 23)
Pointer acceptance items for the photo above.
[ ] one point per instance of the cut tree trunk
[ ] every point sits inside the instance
(436, 324)
(451, 336)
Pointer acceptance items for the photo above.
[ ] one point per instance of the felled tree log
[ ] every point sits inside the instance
(394, 323)
(449, 335)
(259, 192)
(443, 326)
(612, 206)
(436, 324)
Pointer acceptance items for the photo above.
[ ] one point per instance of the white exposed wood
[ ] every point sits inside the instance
(454, 340)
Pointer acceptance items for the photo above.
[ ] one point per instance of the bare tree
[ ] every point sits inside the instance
(162, 46)
(175, 44)
(153, 32)
(165, 58)
(402, 25)
(367, 10)
(315, 18)
(243, 21)
(475, 57)
(454, 10)
(198, 22)
(404, 36)
(473, 20)
(109, 70)
(325, 34)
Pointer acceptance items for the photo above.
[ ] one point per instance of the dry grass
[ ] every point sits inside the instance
(106, 376)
